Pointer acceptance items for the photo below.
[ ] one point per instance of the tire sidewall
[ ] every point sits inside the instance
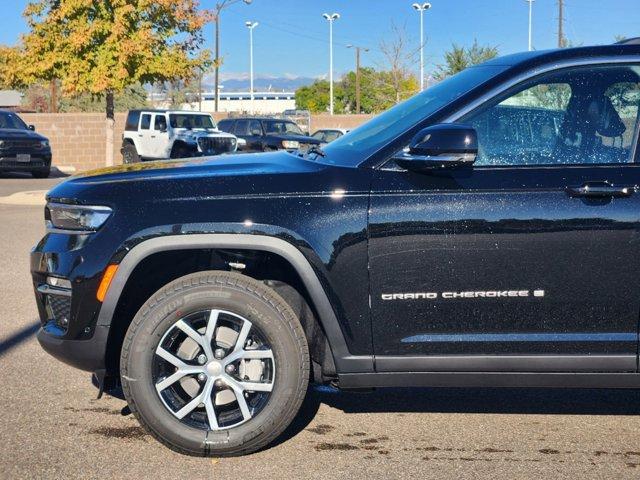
(130, 154)
(159, 317)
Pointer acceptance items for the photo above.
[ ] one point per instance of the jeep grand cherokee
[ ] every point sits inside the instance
(485, 232)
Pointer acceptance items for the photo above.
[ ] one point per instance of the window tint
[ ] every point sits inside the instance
(242, 127)
(132, 121)
(319, 135)
(332, 135)
(575, 116)
(11, 120)
(145, 123)
(160, 123)
(226, 125)
(255, 128)
(282, 128)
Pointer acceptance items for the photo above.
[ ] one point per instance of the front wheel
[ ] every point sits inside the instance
(43, 173)
(130, 154)
(215, 363)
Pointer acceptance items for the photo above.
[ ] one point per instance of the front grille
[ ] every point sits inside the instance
(214, 146)
(22, 144)
(9, 162)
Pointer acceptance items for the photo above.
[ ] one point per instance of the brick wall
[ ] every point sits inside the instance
(78, 139)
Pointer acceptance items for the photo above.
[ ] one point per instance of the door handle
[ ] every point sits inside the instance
(601, 190)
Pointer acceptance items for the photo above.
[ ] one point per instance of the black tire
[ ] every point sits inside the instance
(243, 296)
(44, 173)
(130, 154)
(180, 150)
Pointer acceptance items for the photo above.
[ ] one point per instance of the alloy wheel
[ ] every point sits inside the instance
(213, 370)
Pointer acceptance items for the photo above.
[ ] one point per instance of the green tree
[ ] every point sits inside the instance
(459, 58)
(132, 97)
(315, 97)
(102, 47)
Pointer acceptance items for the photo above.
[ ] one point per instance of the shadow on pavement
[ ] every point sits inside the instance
(17, 338)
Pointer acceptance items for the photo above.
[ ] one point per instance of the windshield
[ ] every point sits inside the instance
(282, 128)
(357, 145)
(189, 120)
(11, 120)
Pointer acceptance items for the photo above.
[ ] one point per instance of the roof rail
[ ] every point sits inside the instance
(629, 41)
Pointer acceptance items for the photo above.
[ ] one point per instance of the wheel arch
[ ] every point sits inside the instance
(324, 313)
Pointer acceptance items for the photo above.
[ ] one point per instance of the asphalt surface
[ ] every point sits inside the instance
(53, 427)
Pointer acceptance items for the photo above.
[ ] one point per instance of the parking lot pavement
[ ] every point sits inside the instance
(53, 427)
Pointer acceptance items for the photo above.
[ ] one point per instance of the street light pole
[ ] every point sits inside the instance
(251, 26)
(331, 18)
(421, 8)
(221, 5)
(530, 2)
(357, 49)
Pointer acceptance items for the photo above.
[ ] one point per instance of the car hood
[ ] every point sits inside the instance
(296, 138)
(254, 174)
(19, 134)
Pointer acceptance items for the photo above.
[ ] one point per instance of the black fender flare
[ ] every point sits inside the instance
(345, 362)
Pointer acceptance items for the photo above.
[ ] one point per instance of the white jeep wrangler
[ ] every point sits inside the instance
(162, 134)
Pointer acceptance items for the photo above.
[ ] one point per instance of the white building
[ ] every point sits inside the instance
(264, 103)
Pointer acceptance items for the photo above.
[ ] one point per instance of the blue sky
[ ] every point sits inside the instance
(292, 38)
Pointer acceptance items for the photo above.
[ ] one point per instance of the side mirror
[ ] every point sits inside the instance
(32, 127)
(447, 145)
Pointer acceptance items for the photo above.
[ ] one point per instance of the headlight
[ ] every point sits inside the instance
(44, 143)
(290, 144)
(75, 217)
(1, 143)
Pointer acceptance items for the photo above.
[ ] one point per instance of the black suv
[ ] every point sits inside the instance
(267, 134)
(21, 148)
(485, 232)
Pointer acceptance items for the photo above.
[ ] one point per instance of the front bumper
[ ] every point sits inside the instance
(68, 316)
(39, 161)
(86, 355)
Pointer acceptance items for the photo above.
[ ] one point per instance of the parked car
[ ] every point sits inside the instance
(162, 134)
(268, 134)
(327, 135)
(21, 148)
(483, 233)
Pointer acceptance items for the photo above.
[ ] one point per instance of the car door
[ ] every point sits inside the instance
(159, 137)
(530, 260)
(144, 136)
(242, 131)
(255, 139)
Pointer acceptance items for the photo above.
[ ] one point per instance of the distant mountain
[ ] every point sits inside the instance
(240, 83)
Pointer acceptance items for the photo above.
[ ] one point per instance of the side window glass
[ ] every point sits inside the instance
(242, 127)
(255, 128)
(573, 116)
(160, 123)
(624, 98)
(145, 123)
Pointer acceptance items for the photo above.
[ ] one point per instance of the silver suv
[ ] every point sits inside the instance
(162, 134)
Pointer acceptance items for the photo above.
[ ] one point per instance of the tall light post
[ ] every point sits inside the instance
(421, 7)
(358, 49)
(331, 18)
(251, 26)
(530, 2)
(220, 5)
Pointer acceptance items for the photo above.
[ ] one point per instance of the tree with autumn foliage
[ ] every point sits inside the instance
(103, 47)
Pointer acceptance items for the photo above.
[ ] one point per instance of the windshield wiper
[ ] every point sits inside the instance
(317, 150)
